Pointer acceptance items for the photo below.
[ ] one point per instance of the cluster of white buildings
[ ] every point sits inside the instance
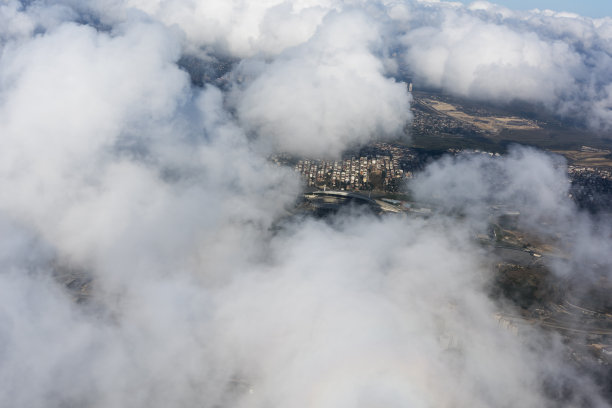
(582, 170)
(356, 173)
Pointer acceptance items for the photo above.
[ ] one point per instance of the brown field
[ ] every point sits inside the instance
(587, 159)
(494, 124)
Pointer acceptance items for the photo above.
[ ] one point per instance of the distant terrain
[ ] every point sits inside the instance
(442, 122)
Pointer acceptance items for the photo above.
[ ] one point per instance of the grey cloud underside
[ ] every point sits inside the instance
(202, 291)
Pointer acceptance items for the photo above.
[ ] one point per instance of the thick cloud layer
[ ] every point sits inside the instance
(471, 56)
(559, 60)
(152, 203)
(320, 97)
(562, 61)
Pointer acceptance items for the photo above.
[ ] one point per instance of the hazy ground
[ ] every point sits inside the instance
(489, 127)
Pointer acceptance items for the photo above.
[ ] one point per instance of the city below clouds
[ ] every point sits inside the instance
(151, 255)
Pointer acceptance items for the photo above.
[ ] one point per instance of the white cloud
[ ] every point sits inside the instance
(476, 58)
(327, 94)
(113, 167)
(491, 53)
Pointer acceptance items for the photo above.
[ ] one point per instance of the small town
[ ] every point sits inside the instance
(384, 167)
(356, 173)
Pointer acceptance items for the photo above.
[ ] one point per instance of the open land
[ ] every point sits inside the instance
(442, 122)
